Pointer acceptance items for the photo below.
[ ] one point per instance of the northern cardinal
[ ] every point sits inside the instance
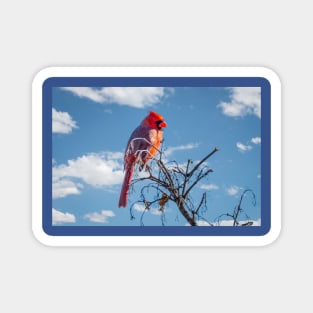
(143, 144)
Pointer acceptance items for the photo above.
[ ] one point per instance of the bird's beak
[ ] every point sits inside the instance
(163, 125)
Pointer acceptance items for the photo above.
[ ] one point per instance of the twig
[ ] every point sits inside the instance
(201, 202)
(186, 176)
(176, 183)
(202, 161)
(196, 182)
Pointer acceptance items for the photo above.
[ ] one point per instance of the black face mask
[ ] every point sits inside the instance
(158, 124)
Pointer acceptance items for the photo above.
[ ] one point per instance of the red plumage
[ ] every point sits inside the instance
(143, 144)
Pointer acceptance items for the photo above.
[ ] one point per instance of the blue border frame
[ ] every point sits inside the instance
(156, 82)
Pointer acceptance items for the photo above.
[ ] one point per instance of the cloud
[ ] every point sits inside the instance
(209, 187)
(226, 223)
(64, 187)
(141, 208)
(243, 101)
(170, 150)
(86, 92)
(232, 190)
(138, 97)
(62, 122)
(231, 222)
(256, 140)
(202, 223)
(95, 169)
(243, 148)
(59, 217)
(101, 217)
(157, 211)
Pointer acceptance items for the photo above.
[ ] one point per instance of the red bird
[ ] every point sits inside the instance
(143, 144)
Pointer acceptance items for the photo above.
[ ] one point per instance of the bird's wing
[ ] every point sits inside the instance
(141, 139)
(139, 144)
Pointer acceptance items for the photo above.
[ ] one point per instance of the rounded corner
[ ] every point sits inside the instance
(43, 75)
(271, 236)
(42, 237)
(271, 76)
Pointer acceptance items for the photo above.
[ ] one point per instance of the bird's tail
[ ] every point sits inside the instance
(125, 188)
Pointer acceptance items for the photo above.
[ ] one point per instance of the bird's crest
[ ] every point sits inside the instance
(156, 115)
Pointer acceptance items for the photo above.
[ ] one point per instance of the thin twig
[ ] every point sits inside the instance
(186, 178)
(201, 202)
(196, 182)
(202, 161)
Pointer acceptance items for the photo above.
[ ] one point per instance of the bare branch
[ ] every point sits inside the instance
(186, 176)
(196, 181)
(180, 203)
(203, 199)
(202, 161)
(167, 174)
(173, 182)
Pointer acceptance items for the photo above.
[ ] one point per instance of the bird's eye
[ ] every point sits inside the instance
(158, 123)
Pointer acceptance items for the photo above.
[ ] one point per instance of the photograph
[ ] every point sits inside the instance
(124, 154)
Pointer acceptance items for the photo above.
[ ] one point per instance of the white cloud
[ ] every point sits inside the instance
(112, 155)
(62, 122)
(232, 190)
(138, 97)
(64, 187)
(101, 217)
(170, 150)
(60, 217)
(243, 148)
(141, 208)
(230, 222)
(209, 187)
(226, 223)
(86, 92)
(256, 140)
(243, 101)
(156, 211)
(202, 223)
(95, 169)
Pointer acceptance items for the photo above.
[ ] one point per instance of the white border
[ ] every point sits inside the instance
(271, 236)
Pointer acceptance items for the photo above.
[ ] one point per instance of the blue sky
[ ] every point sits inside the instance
(91, 127)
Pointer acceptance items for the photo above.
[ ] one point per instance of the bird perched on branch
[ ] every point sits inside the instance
(144, 143)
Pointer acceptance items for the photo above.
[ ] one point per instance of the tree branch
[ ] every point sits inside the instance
(180, 204)
(186, 178)
(201, 202)
(175, 183)
(202, 161)
(196, 182)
